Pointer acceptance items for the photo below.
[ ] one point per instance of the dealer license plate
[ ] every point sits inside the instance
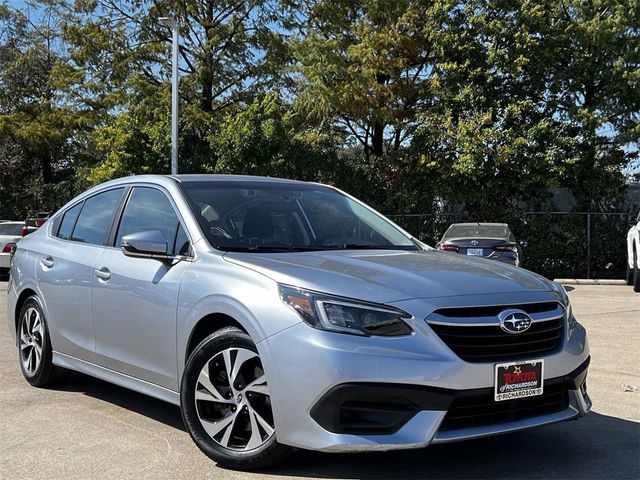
(474, 251)
(518, 379)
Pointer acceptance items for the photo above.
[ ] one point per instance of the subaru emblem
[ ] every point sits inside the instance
(514, 321)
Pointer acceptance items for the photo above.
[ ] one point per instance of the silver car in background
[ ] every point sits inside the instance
(282, 314)
(494, 241)
(10, 233)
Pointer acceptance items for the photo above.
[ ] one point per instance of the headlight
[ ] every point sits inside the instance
(564, 298)
(334, 314)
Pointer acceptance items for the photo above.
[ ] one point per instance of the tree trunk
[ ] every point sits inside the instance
(377, 138)
(584, 187)
(377, 135)
(47, 172)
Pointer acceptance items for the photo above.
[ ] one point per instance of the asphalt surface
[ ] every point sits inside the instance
(87, 428)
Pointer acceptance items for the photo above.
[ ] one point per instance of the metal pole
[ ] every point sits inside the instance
(174, 101)
(175, 27)
(588, 245)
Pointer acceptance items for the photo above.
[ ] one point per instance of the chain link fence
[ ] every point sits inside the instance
(555, 244)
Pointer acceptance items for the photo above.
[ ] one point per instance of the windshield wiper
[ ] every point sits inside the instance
(357, 246)
(267, 248)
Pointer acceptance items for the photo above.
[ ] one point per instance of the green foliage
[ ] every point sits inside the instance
(260, 141)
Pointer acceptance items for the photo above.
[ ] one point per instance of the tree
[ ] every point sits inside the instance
(39, 133)
(367, 66)
(120, 53)
(267, 139)
(512, 118)
(594, 90)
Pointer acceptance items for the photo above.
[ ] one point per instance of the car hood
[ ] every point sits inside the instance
(385, 276)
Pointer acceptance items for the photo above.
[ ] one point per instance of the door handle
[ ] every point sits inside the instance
(47, 262)
(103, 273)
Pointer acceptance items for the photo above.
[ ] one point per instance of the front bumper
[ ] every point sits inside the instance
(415, 376)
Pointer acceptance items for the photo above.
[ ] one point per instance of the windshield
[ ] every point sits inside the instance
(266, 216)
(476, 231)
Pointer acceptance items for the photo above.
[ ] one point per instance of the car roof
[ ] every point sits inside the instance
(232, 178)
(168, 179)
(479, 224)
(12, 222)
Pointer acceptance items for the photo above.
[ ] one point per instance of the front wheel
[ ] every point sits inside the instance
(636, 274)
(225, 402)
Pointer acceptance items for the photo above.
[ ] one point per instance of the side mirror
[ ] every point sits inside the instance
(149, 244)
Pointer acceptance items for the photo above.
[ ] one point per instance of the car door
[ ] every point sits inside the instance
(65, 271)
(135, 299)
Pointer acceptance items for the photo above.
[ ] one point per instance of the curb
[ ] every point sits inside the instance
(589, 281)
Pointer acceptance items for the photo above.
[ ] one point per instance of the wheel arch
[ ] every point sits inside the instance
(206, 326)
(22, 298)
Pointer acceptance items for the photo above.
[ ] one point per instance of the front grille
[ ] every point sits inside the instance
(477, 408)
(494, 310)
(486, 343)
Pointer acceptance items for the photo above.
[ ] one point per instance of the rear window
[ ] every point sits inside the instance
(476, 231)
(10, 229)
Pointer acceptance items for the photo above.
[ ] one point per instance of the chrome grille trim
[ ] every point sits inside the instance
(479, 338)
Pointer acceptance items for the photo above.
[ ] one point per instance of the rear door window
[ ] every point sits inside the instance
(95, 218)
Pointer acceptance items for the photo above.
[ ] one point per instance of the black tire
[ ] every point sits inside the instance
(267, 454)
(46, 373)
(636, 274)
(631, 269)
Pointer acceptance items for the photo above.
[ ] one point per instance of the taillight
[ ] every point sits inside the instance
(7, 248)
(24, 231)
(507, 247)
(39, 222)
(448, 247)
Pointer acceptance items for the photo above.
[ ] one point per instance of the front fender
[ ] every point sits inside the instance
(249, 298)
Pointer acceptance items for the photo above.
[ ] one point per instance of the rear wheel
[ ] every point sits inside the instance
(34, 346)
(226, 405)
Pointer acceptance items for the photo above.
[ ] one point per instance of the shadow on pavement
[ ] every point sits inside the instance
(122, 397)
(596, 446)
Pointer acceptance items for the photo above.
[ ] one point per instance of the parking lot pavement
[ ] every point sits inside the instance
(86, 428)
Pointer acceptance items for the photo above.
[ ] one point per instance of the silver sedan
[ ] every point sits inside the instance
(282, 314)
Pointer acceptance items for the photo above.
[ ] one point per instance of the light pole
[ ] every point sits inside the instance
(175, 27)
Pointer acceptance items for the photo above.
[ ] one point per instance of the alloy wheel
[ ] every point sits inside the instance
(232, 400)
(31, 340)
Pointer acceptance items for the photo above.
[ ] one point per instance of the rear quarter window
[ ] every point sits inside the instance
(68, 222)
